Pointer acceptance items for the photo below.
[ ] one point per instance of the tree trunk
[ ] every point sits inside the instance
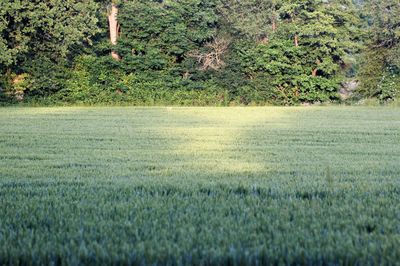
(114, 29)
(296, 40)
(273, 26)
(314, 72)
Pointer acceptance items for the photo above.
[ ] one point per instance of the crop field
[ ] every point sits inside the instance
(203, 186)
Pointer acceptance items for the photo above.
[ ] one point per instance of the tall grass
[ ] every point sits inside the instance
(120, 185)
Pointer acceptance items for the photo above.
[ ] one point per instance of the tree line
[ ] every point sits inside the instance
(203, 52)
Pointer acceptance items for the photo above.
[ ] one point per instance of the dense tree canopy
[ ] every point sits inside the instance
(199, 51)
(47, 27)
(380, 73)
(39, 37)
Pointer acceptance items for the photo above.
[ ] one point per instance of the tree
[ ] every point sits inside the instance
(280, 51)
(380, 74)
(385, 20)
(305, 56)
(52, 27)
(157, 35)
(114, 27)
(254, 19)
(50, 31)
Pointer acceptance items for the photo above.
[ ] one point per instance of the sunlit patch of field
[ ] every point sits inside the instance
(318, 185)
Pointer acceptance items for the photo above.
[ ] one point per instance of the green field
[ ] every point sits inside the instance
(178, 186)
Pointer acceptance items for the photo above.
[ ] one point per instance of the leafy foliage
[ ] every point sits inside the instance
(303, 58)
(40, 37)
(250, 51)
(381, 66)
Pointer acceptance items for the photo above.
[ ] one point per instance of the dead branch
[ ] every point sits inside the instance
(213, 57)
